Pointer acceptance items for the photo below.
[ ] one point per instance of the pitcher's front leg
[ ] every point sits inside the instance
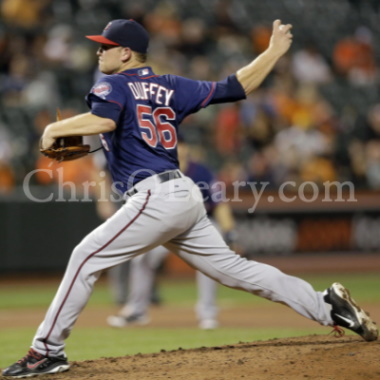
(203, 248)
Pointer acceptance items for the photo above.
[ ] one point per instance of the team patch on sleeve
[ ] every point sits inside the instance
(102, 89)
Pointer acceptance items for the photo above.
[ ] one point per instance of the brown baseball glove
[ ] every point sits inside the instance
(66, 149)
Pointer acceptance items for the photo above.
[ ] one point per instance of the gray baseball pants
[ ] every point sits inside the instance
(170, 214)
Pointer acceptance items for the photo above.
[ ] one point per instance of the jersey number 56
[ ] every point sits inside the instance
(155, 126)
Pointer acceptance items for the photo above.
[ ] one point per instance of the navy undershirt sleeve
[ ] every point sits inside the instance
(228, 90)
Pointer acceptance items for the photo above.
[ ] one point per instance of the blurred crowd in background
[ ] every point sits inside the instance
(315, 118)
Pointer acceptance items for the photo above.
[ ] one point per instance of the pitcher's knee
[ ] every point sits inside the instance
(79, 256)
(230, 282)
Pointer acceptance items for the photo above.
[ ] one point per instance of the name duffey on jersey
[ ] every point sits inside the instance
(147, 109)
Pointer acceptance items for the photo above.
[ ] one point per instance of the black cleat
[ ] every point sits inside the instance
(347, 313)
(35, 364)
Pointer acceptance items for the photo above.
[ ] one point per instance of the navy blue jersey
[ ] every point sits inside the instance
(147, 110)
(203, 177)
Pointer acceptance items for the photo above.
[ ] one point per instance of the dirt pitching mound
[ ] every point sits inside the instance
(311, 357)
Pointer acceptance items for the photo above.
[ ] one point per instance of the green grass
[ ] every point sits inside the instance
(91, 343)
(183, 292)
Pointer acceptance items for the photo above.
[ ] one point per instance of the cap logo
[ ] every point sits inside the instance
(107, 26)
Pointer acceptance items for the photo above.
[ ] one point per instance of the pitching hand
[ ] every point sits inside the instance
(281, 38)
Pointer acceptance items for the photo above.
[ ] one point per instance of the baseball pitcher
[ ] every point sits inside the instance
(137, 114)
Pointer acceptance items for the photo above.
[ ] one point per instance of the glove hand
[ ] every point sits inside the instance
(46, 142)
(65, 148)
(62, 148)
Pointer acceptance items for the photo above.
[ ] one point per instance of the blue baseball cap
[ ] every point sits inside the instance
(127, 33)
